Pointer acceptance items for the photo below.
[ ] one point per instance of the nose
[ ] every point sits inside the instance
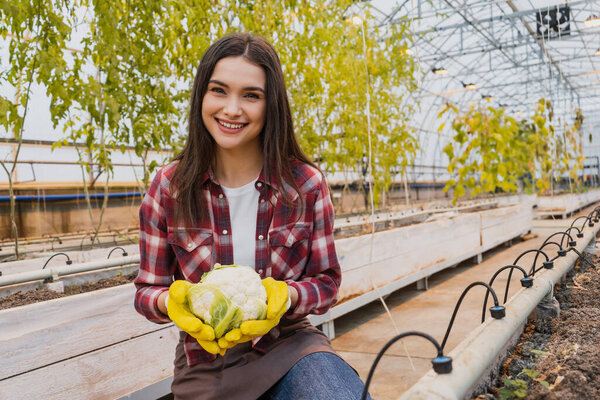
(232, 107)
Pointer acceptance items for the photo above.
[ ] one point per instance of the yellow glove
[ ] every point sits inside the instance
(180, 313)
(277, 304)
(232, 338)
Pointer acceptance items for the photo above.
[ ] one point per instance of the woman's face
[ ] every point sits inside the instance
(234, 106)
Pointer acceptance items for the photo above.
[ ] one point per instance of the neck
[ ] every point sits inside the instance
(235, 169)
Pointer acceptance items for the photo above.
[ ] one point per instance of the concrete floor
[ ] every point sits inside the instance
(361, 334)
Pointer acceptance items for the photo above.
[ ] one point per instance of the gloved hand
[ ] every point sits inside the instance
(231, 338)
(180, 313)
(277, 304)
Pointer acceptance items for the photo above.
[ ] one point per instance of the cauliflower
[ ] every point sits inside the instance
(227, 296)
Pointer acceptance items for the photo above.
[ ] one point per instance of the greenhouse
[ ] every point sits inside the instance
(307, 199)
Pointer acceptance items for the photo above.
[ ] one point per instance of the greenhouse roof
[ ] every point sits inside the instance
(512, 52)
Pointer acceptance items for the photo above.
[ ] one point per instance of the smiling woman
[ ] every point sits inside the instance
(243, 192)
(233, 111)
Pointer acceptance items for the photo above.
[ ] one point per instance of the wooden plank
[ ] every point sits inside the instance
(43, 333)
(107, 373)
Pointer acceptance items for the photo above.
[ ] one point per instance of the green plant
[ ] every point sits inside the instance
(485, 153)
(36, 33)
(517, 388)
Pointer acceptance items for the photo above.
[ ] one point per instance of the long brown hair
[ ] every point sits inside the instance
(277, 137)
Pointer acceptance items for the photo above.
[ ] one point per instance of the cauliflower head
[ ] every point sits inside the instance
(227, 296)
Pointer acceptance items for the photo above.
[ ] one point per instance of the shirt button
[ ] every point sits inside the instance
(224, 231)
(190, 245)
(220, 195)
(259, 184)
(262, 200)
(260, 271)
(290, 240)
(260, 237)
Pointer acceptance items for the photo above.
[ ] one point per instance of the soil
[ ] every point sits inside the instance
(557, 358)
(35, 296)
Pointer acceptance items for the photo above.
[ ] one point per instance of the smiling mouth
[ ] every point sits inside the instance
(229, 125)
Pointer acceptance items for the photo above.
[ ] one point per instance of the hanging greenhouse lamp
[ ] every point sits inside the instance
(439, 71)
(469, 86)
(593, 21)
(356, 20)
(487, 97)
(597, 53)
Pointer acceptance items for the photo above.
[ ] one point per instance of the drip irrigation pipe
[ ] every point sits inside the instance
(56, 272)
(579, 233)
(547, 264)
(561, 253)
(496, 310)
(68, 262)
(117, 248)
(72, 196)
(571, 243)
(441, 364)
(526, 282)
(587, 218)
(474, 356)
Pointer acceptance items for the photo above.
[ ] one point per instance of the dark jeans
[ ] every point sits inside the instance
(318, 376)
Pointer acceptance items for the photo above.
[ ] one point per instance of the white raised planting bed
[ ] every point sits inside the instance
(485, 348)
(88, 346)
(411, 253)
(564, 205)
(95, 346)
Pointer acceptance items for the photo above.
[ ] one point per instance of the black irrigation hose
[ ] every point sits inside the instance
(581, 258)
(525, 282)
(579, 233)
(561, 253)
(497, 310)
(594, 211)
(117, 248)
(68, 262)
(587, 218)
(441, 364)
(571, 243)
(538, 252)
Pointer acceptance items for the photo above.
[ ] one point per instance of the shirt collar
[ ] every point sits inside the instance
(262, 177)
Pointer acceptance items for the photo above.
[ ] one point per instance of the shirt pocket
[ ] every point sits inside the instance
(193, 249)
(289, 250)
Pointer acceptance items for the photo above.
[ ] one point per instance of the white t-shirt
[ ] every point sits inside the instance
(243, 210)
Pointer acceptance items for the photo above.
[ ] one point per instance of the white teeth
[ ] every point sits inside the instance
(230, 126)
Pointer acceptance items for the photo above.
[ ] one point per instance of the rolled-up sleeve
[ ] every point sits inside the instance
(157, 260)
(318, 287)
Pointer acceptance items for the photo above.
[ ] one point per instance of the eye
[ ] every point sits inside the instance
(252, 96)
(217, 90)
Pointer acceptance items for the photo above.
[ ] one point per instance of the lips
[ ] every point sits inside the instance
(230, 127)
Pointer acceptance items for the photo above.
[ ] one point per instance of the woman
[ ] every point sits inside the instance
(243, 192)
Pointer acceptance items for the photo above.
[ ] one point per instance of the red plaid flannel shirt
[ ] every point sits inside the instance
(292, 244)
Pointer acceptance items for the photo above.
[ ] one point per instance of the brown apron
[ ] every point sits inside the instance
(244, 373)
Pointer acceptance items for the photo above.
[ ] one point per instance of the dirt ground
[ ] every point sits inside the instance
(557, 358)
(35, 296)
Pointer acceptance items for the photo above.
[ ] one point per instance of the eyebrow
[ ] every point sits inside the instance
(257, 88)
